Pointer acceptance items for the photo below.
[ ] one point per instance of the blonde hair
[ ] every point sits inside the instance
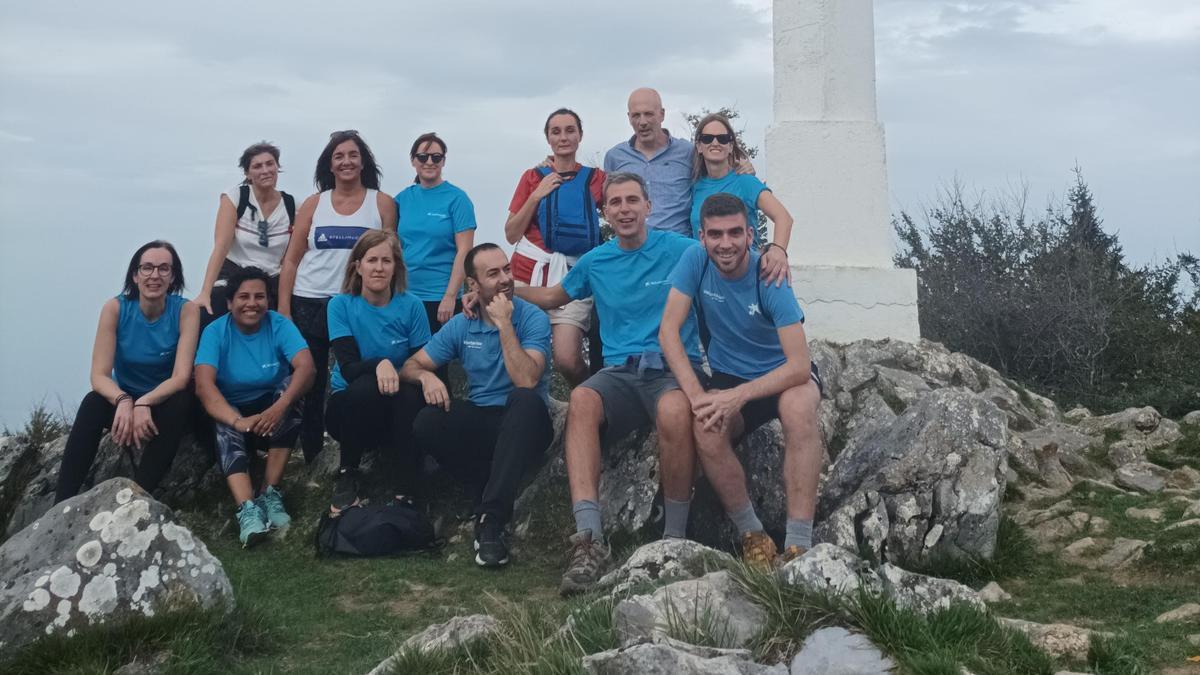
(352, 282)
(736, 154)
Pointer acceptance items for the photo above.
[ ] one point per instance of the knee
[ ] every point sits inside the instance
(674, 413)
(586, 406)
(426, 422)
(799, 405)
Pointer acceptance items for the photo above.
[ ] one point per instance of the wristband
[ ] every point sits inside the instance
(776, 246)
(122, 397)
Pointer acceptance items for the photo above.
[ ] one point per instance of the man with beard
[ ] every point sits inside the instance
(489, 441)
(760, 370)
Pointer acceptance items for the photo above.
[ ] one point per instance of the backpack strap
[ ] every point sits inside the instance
(289, 204)
(243, 200)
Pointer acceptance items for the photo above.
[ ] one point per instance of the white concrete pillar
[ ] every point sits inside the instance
(825, 161)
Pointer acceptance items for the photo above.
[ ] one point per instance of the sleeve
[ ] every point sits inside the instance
(525, 188)
(534, 331)
(577, 283)
(350, 360)
(337, 314)
(399, 210)
(752, 188)
(208, 351)
(462, 213)
(288, 339)
(685, 278)
(418, 327)
(610, 161)
(782, 305)
(442, 348)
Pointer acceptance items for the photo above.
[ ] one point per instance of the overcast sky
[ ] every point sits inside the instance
(122, 122)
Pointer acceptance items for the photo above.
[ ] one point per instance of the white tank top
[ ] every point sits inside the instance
(330, 240)
(247, 249)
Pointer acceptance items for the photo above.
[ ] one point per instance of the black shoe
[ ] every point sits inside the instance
(345, 489)
(490, 548)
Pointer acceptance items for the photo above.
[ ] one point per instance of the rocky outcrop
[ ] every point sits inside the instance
(923, 594)
(714, 605)
(831, 570)
(1059, 640)
(664, 561)
(837, 651)
(103, 557)
(672, 658)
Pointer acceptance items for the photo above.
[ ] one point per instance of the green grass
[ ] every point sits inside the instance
(1015, 555)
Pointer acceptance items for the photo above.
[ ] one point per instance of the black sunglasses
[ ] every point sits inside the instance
(423, 157)
(723, 139)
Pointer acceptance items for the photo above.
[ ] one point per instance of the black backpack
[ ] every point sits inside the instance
(365, 531)
(289, 204)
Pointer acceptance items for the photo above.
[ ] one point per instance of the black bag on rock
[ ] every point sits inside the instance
(366, 531)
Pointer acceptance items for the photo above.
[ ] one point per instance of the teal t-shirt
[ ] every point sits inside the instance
(743, 314)
(145, 353)
(429, 219)
(476, 344)
(741, 185)
(393, 332)
(630, 288)
(249, 366)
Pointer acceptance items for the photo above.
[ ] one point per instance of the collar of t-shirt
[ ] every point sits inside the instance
(661, 151)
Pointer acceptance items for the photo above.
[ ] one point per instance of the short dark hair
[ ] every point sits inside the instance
(430, 137)
(618, 177)
(256, 150)
(722, 204)
(469, 260)
(242, 276)
(562, 111)
(130, 289)
(370, 174)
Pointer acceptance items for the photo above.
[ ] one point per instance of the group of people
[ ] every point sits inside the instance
(380, 282)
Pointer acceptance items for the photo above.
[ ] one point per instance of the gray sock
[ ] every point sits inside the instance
(587, 517)
(675, 515)
(745, 520)
(799, 533)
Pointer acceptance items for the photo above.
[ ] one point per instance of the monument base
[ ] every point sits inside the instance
(844, 304)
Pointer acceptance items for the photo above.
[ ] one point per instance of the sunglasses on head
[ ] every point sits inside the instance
(348, 133)
(423, 157)
(723, 139)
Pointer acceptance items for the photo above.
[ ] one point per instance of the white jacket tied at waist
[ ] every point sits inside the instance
(548, 268)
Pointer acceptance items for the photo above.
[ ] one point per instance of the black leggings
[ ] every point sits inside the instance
(309, 315)
(95, 416)
(360, 418)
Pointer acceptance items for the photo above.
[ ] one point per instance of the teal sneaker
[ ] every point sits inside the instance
(252, 523)
(271, 502)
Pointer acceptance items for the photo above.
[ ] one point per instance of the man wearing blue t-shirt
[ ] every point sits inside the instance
(629, 278)
(489, 441)
(760, 370)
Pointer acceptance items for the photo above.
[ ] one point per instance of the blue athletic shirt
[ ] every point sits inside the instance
(250, 366)
(429, 219)
(394, 331)
(741, 185)
(477, 345)
(630, 288)
(743, 341)
(145, 353)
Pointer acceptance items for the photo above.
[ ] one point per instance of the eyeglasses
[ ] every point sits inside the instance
(146, 269)
(423, 157)
(723, 139)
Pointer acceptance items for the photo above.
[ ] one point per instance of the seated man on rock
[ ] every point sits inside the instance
(760, 370)
(489, 441)
(629, 278)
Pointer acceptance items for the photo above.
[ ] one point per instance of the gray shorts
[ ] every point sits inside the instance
(630, 399)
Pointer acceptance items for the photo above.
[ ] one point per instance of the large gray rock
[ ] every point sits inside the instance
(923, 594)
(1059, 640)
(713, 604)
(664, 561)
(830, 570)
(672, 658)
(1143, 428)
(1191, 419)
(1142, 476)
(837, 651)
(929, 485)
(461, 631)
(105, 556)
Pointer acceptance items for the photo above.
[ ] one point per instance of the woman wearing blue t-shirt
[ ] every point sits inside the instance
(374, 326)
(141, 366)
(717, 153)
(437, 228)
(252, 369)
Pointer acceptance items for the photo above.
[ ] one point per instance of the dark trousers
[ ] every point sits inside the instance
(361, 418)
(489, 448)
(309, 315)
(95, 416)
(431, 308)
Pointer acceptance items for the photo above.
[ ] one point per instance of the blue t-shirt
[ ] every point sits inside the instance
(429, 219)
(249, 366)
(741, 185)
(630, 288)
(393, 332)
(145, 354)
(477, 344)
(743, 341)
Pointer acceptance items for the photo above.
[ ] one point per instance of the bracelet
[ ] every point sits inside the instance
(142, 405)
(776, 246)
(122, 397)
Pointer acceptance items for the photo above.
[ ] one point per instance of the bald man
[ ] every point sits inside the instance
(662, 160)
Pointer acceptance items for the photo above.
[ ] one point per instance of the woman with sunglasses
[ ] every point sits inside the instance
(347, 204)
(717, 153)
(553, 219)
(437, 228)
(141, 367)
(254, 224)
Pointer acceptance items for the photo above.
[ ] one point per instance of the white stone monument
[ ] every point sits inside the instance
(825, 161)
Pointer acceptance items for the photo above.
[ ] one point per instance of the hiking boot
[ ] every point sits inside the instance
(791, 553)
(345, 490)
(252, 524)
(490, 548)
(271, 503)
(758, 550)
(589, 560)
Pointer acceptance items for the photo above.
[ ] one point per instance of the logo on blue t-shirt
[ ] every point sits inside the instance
(753, 308)
(473, 344)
